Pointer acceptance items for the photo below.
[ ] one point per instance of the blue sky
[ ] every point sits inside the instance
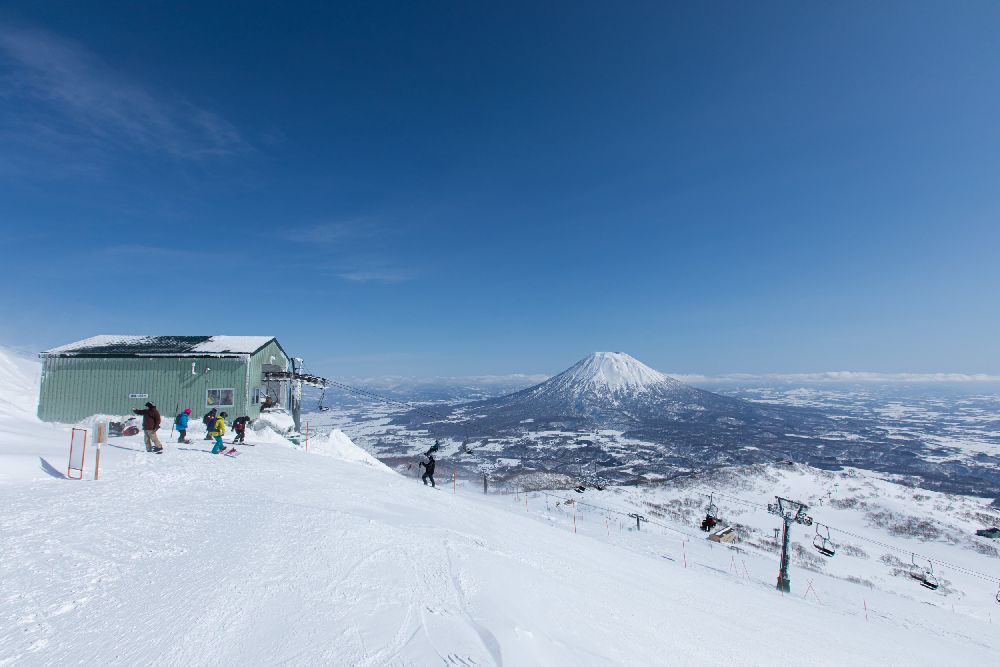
(449, 188)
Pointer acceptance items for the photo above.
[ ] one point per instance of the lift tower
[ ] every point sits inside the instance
(789, 511)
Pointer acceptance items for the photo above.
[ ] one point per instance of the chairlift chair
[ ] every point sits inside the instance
(322, 395)
(925, 575)
(822, 541)
(711, 515)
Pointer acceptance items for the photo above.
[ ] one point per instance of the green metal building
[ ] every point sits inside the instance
(111, 374)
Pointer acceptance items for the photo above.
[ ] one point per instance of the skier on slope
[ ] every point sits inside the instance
(428, 470)
(218, 430)
(240, 426)
(208, 420)
(150, 423)
(181, 422)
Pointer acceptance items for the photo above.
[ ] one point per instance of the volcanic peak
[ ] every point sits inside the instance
(614, 370)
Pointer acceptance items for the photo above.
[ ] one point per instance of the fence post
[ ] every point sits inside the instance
(454, 479)
(102, 434)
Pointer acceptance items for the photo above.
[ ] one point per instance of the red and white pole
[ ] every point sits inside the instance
(454, 479)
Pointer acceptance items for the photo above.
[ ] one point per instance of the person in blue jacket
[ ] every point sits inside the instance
(181, 422)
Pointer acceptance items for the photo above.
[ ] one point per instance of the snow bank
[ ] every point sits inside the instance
(278, 421)
(338, 445)
(20, 378)
(29, 448)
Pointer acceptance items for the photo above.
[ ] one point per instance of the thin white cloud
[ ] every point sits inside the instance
(76, 97)
(377, 275)
(327, 233)
(832, 377)
(351, 250)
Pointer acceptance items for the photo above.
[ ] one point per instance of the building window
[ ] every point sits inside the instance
(257, 393)
(220, 398)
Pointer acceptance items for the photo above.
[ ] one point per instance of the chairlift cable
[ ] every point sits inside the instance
(956, 568)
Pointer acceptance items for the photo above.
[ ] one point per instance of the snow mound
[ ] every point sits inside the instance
(28, 447)
(339, 446)
(19, 381)
(613, 370)
(279, 421)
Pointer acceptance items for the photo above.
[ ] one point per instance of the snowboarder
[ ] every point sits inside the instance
(428, 470)
(240, 426)
(218, 430)
(436, 446)
(208, 420)
(150, 423)
(181, 423)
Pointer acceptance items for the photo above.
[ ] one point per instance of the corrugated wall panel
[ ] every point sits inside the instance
(74, 388)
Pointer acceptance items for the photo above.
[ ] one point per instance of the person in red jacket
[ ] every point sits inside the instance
(240, 426)
(150, 424)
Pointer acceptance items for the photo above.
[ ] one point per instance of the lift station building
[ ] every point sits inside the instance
(112, 374)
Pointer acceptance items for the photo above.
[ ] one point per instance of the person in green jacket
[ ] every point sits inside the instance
(218, 430)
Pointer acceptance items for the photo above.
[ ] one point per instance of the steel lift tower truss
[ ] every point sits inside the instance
(790, 511)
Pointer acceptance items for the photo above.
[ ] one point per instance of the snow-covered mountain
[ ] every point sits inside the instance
(612, 412)
(611, 390)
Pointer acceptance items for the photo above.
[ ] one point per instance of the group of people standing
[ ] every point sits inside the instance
(215, 427)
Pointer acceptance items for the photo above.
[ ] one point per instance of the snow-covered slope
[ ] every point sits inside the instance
(285, 557)
(282, 557)
(24, 440)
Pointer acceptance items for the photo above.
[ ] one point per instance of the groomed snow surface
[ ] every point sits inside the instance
(280, 556)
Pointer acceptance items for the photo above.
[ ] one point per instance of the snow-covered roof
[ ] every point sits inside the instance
(140, 346)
